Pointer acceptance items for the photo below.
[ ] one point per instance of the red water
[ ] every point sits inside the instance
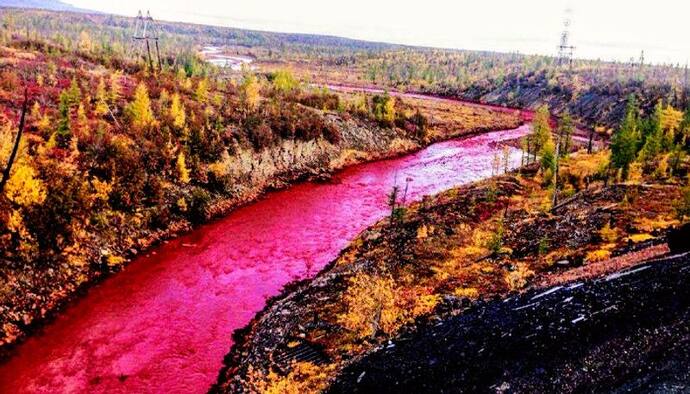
(164, 324)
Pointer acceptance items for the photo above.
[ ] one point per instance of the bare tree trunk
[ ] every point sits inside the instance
(591, 138)
(555, 175)
(158, 55)
(15, 149)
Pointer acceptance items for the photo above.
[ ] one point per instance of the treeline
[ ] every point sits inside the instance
(109, 35)
(656, 144)
(644, 148)
(592, 91)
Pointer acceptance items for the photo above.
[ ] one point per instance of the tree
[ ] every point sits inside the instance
(182, 170)
(201, 92)
(177, 112)
(140, 109)
(15, 148)
(393, 203)
(626, 139)
(249, 91)
(548, 159)
(82, 121)
(685, 125)
(101, 99)
(24, 188)
(652, 148)
(384, 109)
(63, 135)
(541, 129)
(85, 43)
(74, 93)
(115, 87)
(565, 134)
(670, 121)
(284, 82)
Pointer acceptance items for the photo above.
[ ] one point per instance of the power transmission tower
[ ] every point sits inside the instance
(146, 30)
(565, 50)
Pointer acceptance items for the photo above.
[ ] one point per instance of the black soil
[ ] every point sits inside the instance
(628, 332)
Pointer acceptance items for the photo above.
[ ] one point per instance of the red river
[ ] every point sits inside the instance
(164, 324)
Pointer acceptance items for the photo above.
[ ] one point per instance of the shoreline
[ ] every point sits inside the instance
(217, 211)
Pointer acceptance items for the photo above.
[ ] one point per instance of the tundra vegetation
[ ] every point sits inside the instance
(433, 259)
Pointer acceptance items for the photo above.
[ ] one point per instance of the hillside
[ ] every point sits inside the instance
(53, 5)
(593, 91)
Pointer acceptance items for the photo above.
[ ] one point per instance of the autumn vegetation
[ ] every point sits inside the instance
(116, 156)
(571, 212)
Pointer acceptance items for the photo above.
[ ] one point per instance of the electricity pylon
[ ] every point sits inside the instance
(146, 30)
(565, 50)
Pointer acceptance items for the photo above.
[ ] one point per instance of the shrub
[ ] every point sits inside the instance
(198, 206)
(598, 255)
(370, 303)
(608, 234)
(304, 377)
(518, 277)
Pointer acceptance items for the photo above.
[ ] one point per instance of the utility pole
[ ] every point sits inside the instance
(565, 49)
(145, 29)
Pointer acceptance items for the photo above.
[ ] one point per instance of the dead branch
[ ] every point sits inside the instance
(15, 149)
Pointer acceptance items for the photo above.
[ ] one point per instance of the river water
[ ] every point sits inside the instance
(164, 324)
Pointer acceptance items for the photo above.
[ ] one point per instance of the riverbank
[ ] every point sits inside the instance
(446, 254)
(185, 296)
(252, 174)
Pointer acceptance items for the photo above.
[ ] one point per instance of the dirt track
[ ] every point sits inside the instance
(626, 332)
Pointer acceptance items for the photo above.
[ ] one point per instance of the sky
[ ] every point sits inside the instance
(600, 29)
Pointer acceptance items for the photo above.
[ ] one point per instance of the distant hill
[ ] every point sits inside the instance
(55, 5)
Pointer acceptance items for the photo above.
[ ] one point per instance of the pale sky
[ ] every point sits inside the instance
(605, 29)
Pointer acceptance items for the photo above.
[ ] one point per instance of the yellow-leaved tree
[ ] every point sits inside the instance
(370, 302)
(201, 93)
(101, 99)
(182, 170)
(671, 119)
(284, 81)
(85, 43)
(249, 91)
(139, 110)
(24, 188)
(115, 87)
(177, 112)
